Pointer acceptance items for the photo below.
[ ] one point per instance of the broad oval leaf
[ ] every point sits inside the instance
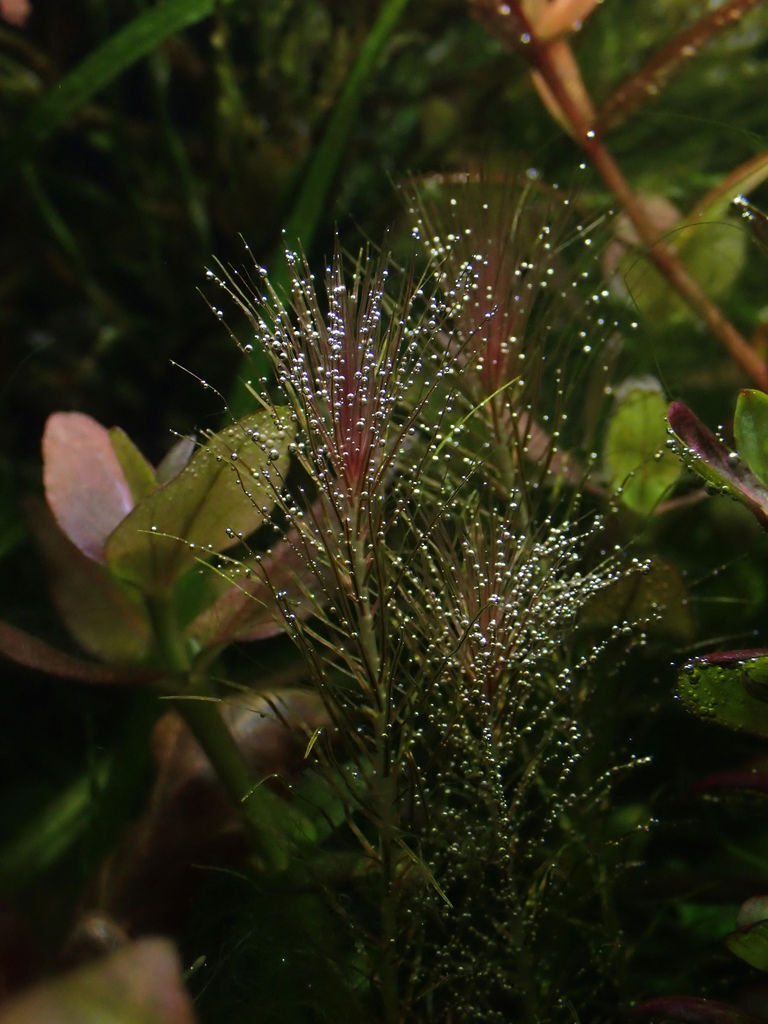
(140, 984)
(640, 468)
(691, 1010)
(85, 485)
(104, 615)
(731, 690)
(713, 251)
(227, 488)
(750, 429)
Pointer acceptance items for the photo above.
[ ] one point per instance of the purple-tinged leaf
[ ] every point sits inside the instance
(690, 1010)
(712, 460)
(733, 657)
(248, 610)
(750, 779)
(752, 911)
(28, 650)
(140, 984)
(105, 617)
(85, 486)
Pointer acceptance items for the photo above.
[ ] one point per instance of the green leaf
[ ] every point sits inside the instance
(750, 428)
(137, 471)
(731, 693)
(751, 945)
(227, 488)
(658, 597)
(713, 252)
(640, 468)
(138, 38)
(752, 911)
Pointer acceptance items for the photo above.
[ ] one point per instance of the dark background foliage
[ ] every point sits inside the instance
(109, 219)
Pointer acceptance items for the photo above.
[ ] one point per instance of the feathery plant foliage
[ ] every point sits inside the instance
(443, 584)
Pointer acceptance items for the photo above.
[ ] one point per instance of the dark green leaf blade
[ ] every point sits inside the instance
(731, 690)
(138, 38)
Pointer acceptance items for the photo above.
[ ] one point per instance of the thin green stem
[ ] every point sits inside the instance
(272, 826)
(385, 788)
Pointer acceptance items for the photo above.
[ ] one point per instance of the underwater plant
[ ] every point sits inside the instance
(405, 507)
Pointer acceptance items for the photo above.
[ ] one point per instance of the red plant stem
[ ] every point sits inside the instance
(661, 254)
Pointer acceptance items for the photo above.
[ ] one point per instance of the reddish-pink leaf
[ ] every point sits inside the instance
(28, 650)
(713, 461)
(140, 984)
(690, 1010)
(85, 486)
(248, 610)
(104, 616)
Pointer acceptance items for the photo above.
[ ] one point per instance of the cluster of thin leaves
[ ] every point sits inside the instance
(440, 613)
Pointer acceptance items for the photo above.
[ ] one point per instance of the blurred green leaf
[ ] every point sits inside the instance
(658, 596)
(640, 468)
(750, 429)
(751, 945)
(227, 488)
(713, 252)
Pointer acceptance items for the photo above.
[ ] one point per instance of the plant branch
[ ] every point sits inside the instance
(272, 826)
(519, 31)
